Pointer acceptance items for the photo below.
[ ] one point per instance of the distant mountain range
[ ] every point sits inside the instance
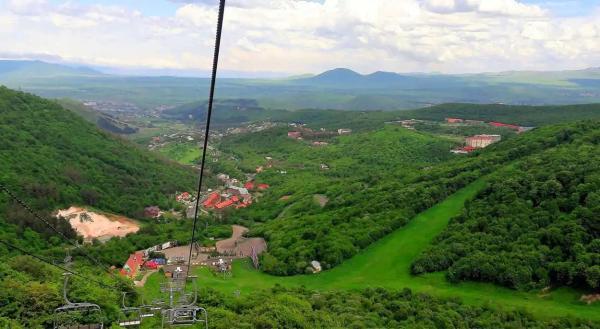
(10, 69)
(340, 88)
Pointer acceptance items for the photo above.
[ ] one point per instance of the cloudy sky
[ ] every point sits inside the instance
(308, 36)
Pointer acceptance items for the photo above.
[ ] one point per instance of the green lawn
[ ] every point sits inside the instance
(386, 263)
(187, 154)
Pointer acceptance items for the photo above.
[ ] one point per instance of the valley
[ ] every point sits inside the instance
(364, 195)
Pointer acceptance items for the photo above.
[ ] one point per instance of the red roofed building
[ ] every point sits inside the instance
(152, 212)
(151, 265)
(249, 185)
(454, 120)
(504, 125)
(183, 197)
(133, 265)
(294, 134)
(212, 200)
(263, 186)
(224, 204)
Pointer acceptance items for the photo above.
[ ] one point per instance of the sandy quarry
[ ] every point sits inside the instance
(98, 226)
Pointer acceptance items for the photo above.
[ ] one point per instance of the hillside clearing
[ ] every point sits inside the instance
(92, 225)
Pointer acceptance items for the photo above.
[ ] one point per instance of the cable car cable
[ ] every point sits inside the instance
(12, 246)
(207, 126)
(37, 216)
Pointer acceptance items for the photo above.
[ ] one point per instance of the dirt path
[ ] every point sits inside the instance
(321, 199)
(239, 245)
(142, 282)
(231, 243)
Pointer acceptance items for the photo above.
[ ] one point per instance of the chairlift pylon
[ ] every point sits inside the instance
(77, 315)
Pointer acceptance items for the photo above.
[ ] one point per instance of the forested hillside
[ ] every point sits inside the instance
(537, 224)
(513, 114)
(361, 190)
(370, 308)
(376, 183)
(52, 158)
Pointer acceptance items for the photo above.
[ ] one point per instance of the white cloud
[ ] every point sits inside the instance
(298, 36)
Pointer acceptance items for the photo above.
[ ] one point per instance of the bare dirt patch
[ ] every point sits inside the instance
(240, 246)
(321, 199)
(590, 299)
(92, 225)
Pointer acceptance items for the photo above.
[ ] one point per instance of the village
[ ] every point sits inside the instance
(172, 259)
(471, 143)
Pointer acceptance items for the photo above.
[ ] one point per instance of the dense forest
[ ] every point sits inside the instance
(362, 189)
(370, 308)
(536, 224)
(514, 114)
(52, 158)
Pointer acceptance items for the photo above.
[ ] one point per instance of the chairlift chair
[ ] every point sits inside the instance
(77, 315)
(150, 310)
(132, 316)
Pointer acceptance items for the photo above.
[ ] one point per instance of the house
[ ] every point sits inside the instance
(463, 150)
(223, 177)
(185, 196)
(320, 143)
(524, 129)
(324, 166)
(152, 212)
(295, 134)
(239, 191)
(259, 169)
(212, 200)
(454, 120)
(243, 205)
(263, 186)
(133, 265)
(316, 266)
(225, 204)
(481, 141)
(344, 131)
(151, 265)
(249, 185)
(504, 125)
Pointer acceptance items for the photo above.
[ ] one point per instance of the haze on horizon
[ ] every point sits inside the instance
(282, 37)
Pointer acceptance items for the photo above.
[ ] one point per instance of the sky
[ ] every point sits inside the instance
(307, 36)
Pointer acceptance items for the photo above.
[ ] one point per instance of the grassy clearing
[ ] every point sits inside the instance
(187, 154)
(386, 263)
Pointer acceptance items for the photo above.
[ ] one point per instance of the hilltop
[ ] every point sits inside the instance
(20, 70)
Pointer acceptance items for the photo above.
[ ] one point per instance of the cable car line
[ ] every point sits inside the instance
(64, 237)
(207, 126)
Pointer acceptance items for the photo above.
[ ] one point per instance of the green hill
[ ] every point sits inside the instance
(512, 114)
(537, 224)
(53, 158)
